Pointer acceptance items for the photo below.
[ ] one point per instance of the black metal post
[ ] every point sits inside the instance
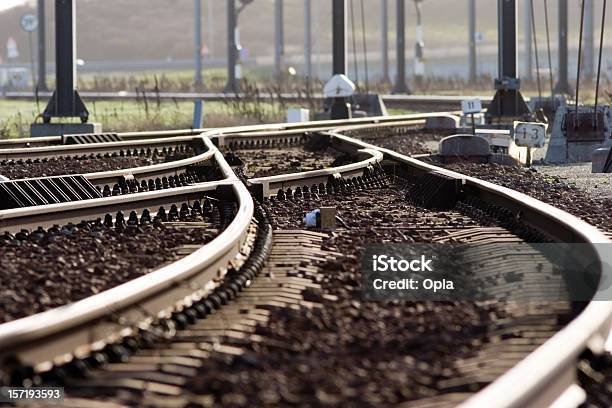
(384, 15)
(528, 74)
(400, 78)
(232, 85)
(42, 57)
(65, 101)
(508, 101)
(340, 109)
(562, 86)
(339, 37)
(507, 39)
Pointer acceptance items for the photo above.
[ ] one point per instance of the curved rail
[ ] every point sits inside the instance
(548, 374)
(48, 141)
(155, 170)
(36, 340)
(46, 152)
(271, 184)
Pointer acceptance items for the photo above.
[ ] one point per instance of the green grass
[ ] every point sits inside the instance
(127, 116)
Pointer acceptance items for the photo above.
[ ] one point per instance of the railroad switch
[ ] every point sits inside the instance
(576, 135)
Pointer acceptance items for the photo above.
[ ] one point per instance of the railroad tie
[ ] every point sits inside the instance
(156, 376)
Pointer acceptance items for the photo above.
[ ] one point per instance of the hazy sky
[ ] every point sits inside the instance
(7, 4)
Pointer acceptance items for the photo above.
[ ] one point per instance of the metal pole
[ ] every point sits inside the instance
(339, 108)
(339, 37)
(472, 41)
(507, 39)
(308, 39)
(601, 43)
(579, 61)
(231, 85)
(65, 101)
(42, 59)
(278, 39)
(563, 86)
(384, 12)
(197, 12)
(589, 50)
(210, 26)
(400, 80)
(528, 40)
(65, 60)
(508, 101)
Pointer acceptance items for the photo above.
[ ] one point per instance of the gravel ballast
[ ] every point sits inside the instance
(350, 352)
(47, 269)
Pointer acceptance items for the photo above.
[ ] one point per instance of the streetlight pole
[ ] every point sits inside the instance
(472, 41)
(197, 6)
(231, 85)
(589, 50)
(42, 58)
(563, 86)
(528, 40)
(278, 39)
(308, 39)
(384, 13)
(508, 102)
(400, 81)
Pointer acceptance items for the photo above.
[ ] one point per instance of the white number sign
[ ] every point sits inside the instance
(469, 106)
(529, 134)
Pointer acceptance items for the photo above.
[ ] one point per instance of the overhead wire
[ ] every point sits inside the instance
(535, 46)
(550, 68)
(579, 60)
(601, 44)
(355, 63)
(365, 49)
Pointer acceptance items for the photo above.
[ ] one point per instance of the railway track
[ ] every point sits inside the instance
(260, 310)
(410, 120)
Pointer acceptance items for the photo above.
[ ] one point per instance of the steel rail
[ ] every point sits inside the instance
(36, 341)
(223, 137)
(156, 170)
(82, 323)
(323, 124)
(271, 184)
(47, 152)
(548, 374)
(260, 138)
